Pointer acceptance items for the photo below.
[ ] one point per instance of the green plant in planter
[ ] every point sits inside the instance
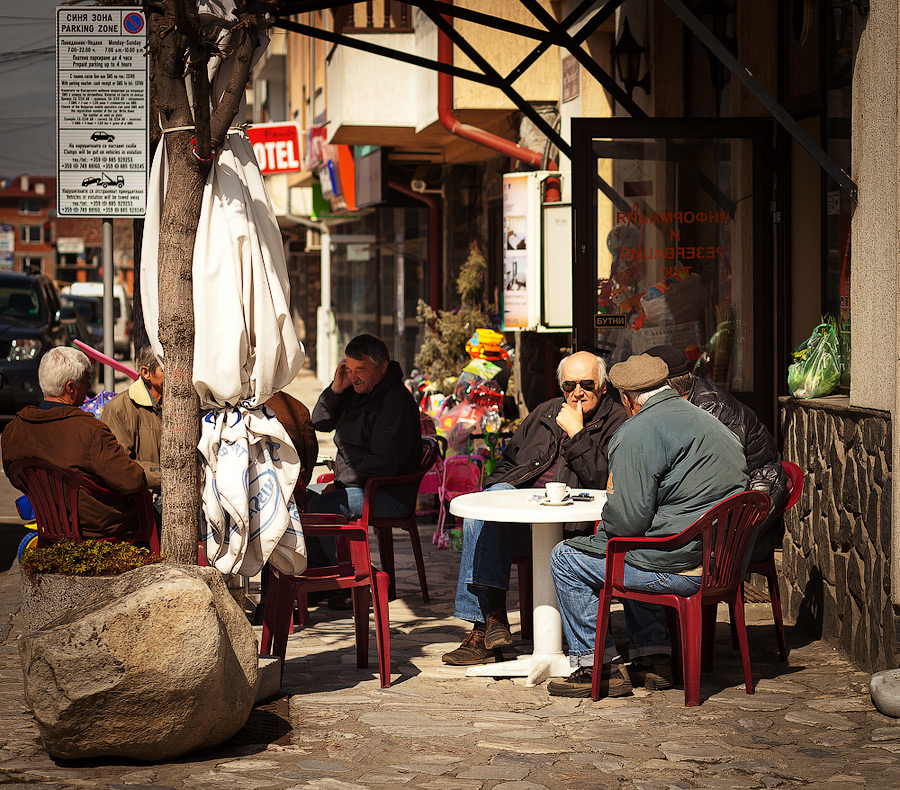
(88, 558)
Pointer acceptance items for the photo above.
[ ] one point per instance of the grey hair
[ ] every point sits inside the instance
(59, 366)
(640, 397)
(601, 369)
(146, 358)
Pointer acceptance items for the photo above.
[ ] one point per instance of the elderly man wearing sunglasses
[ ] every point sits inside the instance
(564, 440)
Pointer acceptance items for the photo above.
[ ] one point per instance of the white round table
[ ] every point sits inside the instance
(517, 506)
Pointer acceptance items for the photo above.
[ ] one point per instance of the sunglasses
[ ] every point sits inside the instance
(588, 385)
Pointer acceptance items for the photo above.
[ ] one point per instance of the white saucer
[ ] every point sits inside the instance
(548, 503)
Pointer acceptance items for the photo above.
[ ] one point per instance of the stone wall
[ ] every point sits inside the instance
(836, 548)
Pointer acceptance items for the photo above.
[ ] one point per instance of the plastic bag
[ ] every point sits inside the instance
(817, 371)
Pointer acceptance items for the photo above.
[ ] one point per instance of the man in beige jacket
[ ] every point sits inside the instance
(135, 416)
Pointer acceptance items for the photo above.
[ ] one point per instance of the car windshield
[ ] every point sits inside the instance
(19, 302)
(87, 308)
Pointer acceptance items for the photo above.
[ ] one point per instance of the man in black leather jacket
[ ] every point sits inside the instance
(763, 458)
(562, 440)
(376, 431)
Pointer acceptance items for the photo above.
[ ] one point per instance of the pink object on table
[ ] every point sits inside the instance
(101, 357)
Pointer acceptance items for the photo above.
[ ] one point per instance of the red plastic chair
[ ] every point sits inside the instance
(53, 493)
(382, 527)
(353, 571)
(462, 475)
(725, 530)
(767, 568)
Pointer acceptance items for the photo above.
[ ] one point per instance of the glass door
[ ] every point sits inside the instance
(673, 246)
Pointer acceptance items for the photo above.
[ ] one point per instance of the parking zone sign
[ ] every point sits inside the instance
(101, 111)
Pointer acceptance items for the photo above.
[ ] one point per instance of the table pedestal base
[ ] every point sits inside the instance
(535, 668)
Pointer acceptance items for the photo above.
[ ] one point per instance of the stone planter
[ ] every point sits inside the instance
(150, 665)
(50, 595)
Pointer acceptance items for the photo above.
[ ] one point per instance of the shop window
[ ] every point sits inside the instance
(673, 244)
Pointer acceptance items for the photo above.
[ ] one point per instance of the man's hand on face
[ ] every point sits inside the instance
(571, 418)
(341, 380)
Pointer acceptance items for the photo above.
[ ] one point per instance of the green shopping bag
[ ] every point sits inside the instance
(817, 369)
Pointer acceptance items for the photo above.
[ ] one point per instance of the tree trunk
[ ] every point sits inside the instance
(181, 412)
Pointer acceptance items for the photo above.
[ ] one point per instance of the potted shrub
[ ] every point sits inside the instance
(57, 576)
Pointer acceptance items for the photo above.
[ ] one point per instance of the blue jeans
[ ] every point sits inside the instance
(579, 578)
(346, 502)
(487, 554)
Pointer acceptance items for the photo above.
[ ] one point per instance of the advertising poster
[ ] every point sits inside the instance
(515, 246)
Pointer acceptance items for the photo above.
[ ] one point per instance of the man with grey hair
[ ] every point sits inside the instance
(60, 433)
(563, 440)
(669, 464)
(135, 416)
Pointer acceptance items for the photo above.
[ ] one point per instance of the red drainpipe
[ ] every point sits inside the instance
(453, 125)
(435, 262)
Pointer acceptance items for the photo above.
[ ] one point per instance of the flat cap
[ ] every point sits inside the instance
(638, 373)
(673, 357)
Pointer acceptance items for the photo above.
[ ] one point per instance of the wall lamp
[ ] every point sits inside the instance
(627, 53)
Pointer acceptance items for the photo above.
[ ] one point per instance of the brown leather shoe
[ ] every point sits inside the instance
(614, 682)
(496, 632)
(472, 651)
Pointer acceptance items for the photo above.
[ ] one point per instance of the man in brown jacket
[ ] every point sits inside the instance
(135, 416)
(59, 432)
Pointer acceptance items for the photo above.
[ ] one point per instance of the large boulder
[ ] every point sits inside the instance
(159, 663)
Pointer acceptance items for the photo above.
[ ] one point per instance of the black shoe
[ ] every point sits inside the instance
(654, 673)
(614, 682)
(496, 632)
(472, 651)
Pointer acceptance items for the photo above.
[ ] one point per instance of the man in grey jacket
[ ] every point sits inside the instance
(668, 464)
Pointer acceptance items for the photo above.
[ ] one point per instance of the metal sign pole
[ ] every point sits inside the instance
(109, 339)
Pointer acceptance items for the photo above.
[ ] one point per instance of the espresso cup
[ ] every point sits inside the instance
(556, 492)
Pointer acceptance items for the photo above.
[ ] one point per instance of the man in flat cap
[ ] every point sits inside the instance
(668, 464)
(760, 450)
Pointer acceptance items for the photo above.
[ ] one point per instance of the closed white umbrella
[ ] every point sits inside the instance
(245, 349)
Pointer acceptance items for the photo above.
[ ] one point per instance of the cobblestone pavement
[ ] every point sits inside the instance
(809, 724)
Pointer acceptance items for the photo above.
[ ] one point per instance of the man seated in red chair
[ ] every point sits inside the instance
(59, 432)
(377, 433)
(668, 465)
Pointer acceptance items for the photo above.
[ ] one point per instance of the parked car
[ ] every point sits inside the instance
(121, 312)
(90, 308)
(31, 322)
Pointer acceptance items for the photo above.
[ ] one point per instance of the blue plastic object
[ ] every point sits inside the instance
(26, 511)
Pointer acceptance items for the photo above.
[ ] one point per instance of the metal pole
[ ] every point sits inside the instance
(109, 339)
